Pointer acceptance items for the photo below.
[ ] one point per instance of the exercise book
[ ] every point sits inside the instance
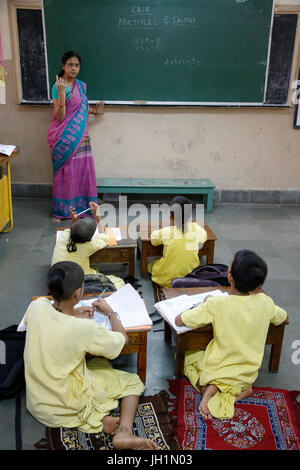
(169, 309)
(126, 302)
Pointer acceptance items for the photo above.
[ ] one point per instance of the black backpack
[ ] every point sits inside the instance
(12, 379)
(208, 275)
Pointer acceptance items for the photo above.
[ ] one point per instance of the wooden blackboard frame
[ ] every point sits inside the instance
(281, 58)
(14, 6)
(165, 103)
(297, 107)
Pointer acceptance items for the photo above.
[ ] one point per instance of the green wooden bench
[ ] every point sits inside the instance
(159, 186)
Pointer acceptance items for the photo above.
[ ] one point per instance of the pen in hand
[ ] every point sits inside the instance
(100, 296)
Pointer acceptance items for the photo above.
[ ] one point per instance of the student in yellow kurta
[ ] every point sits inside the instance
(225, 371)
(78, 243)
(63, 389)
(181, 242)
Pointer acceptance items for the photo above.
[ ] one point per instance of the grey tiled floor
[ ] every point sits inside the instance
(272, 231)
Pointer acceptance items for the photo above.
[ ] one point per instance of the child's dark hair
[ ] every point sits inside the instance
(181, 208)
(248, 270)
(67, 55)
(81, 232)
(63, 279)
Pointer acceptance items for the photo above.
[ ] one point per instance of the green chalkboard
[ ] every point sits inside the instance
(160, 51)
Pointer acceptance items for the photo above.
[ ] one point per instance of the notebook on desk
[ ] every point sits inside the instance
(169, 309)
(7, 149)
(129, 306)
(126, 302)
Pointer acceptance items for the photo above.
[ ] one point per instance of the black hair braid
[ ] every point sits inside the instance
(71, 245)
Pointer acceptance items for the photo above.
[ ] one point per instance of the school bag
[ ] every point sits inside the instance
(12, 379)
(208, 275)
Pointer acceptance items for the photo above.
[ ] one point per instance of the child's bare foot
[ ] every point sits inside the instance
(246, 393)
(123, 439)
(208, 392)
(55, 219)
(110, 424)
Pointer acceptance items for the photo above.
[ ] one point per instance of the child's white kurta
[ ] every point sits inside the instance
(232, 358)
(63, 390)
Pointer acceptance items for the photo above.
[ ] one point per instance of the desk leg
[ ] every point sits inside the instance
(11, 220)
(275, 354)
(167, 333)
(211, 251)
(142, 358)
(144, 257)
(132, 263)
(180, 353)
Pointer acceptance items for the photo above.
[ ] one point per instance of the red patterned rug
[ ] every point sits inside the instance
(267, 420)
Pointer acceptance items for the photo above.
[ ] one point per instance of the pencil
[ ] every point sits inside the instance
(84, 211)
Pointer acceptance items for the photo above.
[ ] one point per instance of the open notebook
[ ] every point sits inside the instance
(129, 306)
(7, 149)
(127, 303)
(169, 309)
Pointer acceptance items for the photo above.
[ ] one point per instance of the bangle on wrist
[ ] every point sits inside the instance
(115, 313)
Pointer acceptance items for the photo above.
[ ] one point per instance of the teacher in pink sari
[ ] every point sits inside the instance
(74, 180)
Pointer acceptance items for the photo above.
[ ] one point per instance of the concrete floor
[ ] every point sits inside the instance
(272, 231)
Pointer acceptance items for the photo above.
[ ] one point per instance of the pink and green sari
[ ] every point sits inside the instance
(74, 180)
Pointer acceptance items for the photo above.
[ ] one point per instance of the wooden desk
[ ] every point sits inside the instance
(123, 252)
(147, 250)
(199, 338)
(137, 342)
(6, 211)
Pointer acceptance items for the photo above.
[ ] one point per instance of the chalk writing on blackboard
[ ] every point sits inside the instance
(142, 44)
(131, 23)
(141, 17)
(139, 10)
(180, 21)
(192, 62)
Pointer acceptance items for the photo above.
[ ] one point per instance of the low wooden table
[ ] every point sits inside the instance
(137, 342)
(147, 250)
(199, 338)
(123, 252)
